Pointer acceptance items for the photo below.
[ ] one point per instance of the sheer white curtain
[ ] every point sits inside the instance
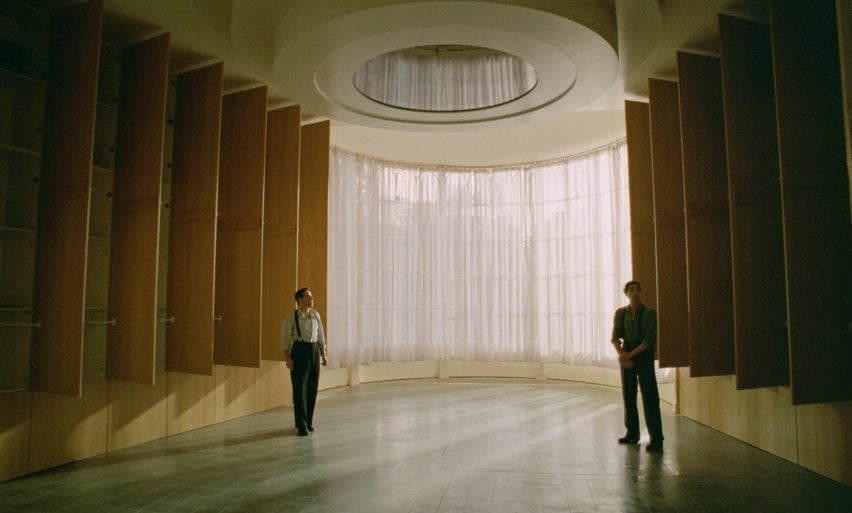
(519, 264)
(434, 82)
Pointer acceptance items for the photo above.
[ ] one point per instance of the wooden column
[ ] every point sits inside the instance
(708, 227)
(815, 198)
(313, 212)
(239, 243)
(641, 186)
(757, 239)
(135, 233)
(192, 221)
(670, 243)
(63, 220)
(280, 214)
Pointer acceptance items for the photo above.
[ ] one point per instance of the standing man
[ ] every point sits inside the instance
(303, 343)
(634, 337)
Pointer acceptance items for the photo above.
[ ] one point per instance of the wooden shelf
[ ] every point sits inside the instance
(21, 77)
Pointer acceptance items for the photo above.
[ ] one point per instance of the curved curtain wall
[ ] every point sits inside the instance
(519, 263)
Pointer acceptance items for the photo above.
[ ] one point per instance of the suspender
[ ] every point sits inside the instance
(298, 330)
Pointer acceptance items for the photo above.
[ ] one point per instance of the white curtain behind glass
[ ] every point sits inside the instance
(520, 264)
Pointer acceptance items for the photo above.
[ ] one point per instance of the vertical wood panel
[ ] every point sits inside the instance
(313, 212)
(272, 386)
(15, 415)
(757, 239)
(191, 402)
(279, 231)
(66, 429)
(134, 239)
(670, 244)
(641, 185)
(815, 199)
(239, 245)
(64, 192)
(708, 229)
(235, 394)
(192, 221)
(137, 413)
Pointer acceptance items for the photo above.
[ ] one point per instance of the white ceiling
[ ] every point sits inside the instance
(304, 49)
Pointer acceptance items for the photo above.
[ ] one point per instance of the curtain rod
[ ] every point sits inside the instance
(520, 165)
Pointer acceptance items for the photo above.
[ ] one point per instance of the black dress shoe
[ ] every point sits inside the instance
(311, 429)
(302, 432)
(654, 447)
(628, 440)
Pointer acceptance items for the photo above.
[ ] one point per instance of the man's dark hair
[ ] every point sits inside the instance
(632, 282)
(300, 293)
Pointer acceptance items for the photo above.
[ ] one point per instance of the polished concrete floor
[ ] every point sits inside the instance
(435, 446)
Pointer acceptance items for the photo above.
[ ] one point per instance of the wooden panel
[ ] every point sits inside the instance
(824, 434)
(239, 246)
(815, 199)
(694, 397)
(728, 407)
(272, 386)
(192, 221)
(68, 429)
(234, 392)
(15, 413)
(708, 229)
(757, 240)
(313, 212)
(641, 186)
(672, 313)
(191, 402)
(63, 221)
(137, 413)
(280, 216)
(134, 240)
(772, 421)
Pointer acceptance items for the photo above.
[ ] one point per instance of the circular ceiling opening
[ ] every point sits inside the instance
(445, 78)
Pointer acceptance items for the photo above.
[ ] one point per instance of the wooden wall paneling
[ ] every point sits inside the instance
(815, 199)
(134, 240)
(641, 186)
(313, 213)
(192, 221)
(63, 221)
(670, 244)
(15, 424)
(239, 244)
(708, 228)
(137, 413)
(728, 407)
(235, 392)
(191, 402)
(772, 421)
(824, 432)
(272, 385)
(66, 429)
(757, 238)
(280, 213)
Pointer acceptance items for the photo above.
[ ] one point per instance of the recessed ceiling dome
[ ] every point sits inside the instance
(571, 48)
(444, 78)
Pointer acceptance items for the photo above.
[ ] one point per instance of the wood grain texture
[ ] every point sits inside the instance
(672, 298)
(192, 221)
(191, 402)
(708, 229)
(283, 136)
(15, 419)
(239, 244)
(137, 413)
(134, 241)
(235, 392)
(64, 192)
(641, 187)
(757, 238)
(815, 199)
(66, 429)
(313, 213)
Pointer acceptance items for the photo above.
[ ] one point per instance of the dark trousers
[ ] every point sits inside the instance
(305, 379)
(643, 374)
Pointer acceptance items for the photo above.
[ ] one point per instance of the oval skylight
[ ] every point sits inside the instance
(445, 78)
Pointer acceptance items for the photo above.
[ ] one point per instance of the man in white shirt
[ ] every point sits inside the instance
(303, 344)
